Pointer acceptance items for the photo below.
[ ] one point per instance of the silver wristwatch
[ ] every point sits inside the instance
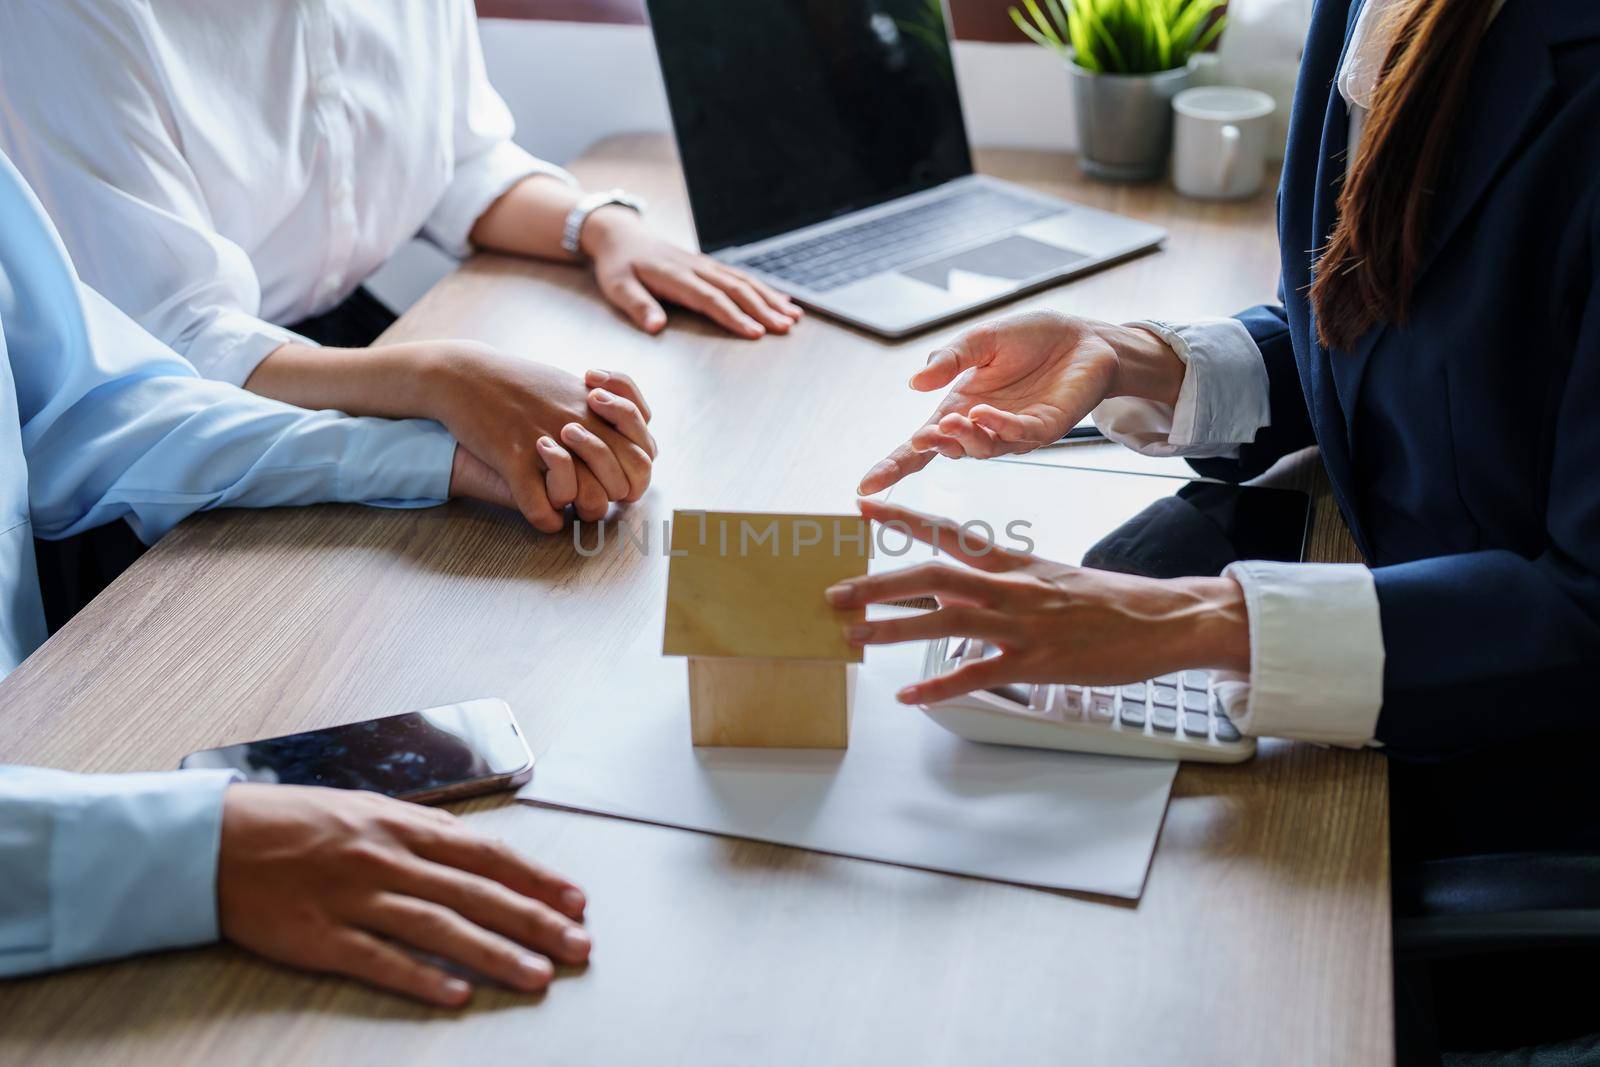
(591, 203)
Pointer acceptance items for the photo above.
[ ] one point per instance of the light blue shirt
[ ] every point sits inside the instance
(100, 422)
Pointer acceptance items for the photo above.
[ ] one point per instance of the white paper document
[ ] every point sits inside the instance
(906, 791)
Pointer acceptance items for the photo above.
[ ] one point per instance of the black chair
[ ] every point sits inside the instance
(1497, 960)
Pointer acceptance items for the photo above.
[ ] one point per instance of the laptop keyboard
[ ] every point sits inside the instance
(830, 260)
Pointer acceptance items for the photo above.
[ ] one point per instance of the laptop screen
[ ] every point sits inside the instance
(790, 112)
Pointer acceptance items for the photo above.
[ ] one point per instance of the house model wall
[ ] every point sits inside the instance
(768, 663)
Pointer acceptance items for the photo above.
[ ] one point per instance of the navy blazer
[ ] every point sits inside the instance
(1464, 447)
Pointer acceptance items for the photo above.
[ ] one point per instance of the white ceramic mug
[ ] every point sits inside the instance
(1219, 148)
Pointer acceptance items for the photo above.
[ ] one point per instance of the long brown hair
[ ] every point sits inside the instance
(1368, 271)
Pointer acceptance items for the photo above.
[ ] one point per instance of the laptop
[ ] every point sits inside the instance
(824, 150)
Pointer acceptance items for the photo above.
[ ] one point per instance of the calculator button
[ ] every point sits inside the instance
(1196, 679)
(1133, 692)
(1193, 701)
(1072, 698)
(1164, 719)
(1196, 724)
(1016, 694)
(1132, 713)
(1226, 731)
(1101, 707)
(1164, 695)
(1169, 679)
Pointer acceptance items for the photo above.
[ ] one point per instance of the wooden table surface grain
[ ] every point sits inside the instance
(1263, 935)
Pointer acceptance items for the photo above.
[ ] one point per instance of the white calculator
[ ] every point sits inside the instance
(1176, 716)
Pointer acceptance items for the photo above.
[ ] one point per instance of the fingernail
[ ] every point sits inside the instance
(596, 375)
(455, 990)
(838, 594)
(576, 941)
(908, 695)
(602, 396)
(536, 971)
(655, 320)
(858, 632)
(934, 359)
(572, 900)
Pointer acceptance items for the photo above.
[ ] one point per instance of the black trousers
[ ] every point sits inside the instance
(74, 571)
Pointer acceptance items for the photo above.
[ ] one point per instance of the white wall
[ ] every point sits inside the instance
(570, 84)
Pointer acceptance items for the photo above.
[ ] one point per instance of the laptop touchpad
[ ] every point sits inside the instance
(999, 264)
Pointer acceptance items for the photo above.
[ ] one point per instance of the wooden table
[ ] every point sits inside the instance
(1263, 935)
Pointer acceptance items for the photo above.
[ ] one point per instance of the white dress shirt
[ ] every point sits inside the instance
(100, 422)
(215, 168)
(1316, 635)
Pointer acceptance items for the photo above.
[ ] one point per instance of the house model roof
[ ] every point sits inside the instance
(750, 584)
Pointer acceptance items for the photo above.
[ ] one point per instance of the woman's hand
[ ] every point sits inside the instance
(637, 269)
(550, 438)
(1022, 382)
(1051, 622)
(347, 882)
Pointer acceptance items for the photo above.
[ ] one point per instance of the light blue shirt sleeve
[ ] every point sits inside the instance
(130, 430)
(99, 421)
(99, 866)
(116, 425)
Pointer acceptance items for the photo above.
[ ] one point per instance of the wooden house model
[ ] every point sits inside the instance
(768, 663)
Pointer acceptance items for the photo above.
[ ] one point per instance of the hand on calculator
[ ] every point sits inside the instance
(1047, 621)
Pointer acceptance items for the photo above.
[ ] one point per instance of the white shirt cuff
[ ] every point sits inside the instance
(1223, 402)
(232, 345)
(478, 183)
(1316, 653)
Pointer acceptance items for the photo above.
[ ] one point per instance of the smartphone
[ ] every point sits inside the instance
(431, 756)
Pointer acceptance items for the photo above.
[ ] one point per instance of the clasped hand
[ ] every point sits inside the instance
(537, 439)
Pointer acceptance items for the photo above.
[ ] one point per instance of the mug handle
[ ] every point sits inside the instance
(1230, 157)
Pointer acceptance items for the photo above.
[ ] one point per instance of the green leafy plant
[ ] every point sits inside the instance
(1122, 36)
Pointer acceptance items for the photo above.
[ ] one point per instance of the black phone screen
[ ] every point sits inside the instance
(399, 755)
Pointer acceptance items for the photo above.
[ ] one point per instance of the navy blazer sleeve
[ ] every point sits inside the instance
(1290, 429)
(1485, 647)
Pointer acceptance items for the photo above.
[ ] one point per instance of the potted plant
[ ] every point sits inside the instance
(1127, 59)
